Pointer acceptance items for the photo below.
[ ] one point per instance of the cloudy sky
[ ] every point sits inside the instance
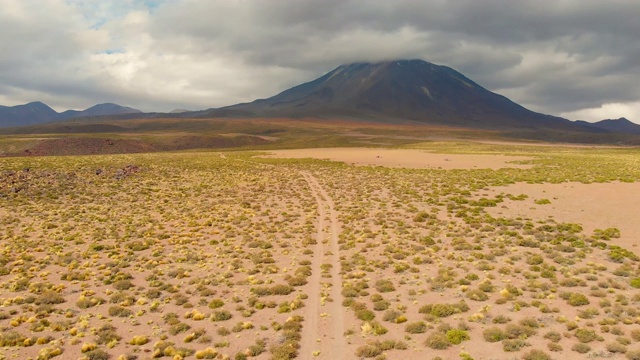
(575, 58)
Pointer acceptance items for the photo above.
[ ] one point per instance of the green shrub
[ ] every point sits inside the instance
(391, 315)
(106, 334)
(586, 335)
(581, 348)
(378, 329)
(535, 260)
(179, 327)
(536, 355)
(444, 310)
(510, 345)
(501, 319)
(633, 355)
(456, 336)
(97, 354)
(368, 351)
(554, 347)
(417, 327)
(281, 289)
(437, 341)
(477, 295)
(530, 322)
(635, 283)
(216, 303)
(553, 336)
(221, 315)
(139, 340)
(381, 305)
(615, 347)
(49, 297)
(494, 334)
(365, 314)
(576, 299)
(119, 311)
(123, 285)
(514, 331)
(385, 285)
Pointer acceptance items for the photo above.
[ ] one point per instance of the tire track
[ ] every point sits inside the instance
(324, 325)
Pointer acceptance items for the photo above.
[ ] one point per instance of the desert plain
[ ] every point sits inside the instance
(420, 250)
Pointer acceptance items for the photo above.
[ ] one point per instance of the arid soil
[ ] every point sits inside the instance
(403, 158)
(233, 256)
(92, 146)
(594, 206)
(324, 336)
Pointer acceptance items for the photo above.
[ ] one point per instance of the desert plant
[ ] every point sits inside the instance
(536, 354)
(417, 327)
(510, 345)
(216, 303)
(581, 348)
(494, 334)
(456, 336)
(437, 341)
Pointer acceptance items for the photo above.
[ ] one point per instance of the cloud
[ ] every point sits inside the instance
(557, 57)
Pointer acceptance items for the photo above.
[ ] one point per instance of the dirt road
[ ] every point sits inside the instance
(324, 323)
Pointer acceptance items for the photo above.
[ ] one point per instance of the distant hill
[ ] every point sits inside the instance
(621, 125)
(27, 114)
(398, 90)
(38, 113)
(99, 110)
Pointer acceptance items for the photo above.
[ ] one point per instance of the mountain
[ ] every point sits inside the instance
(99, 110)
(621, 125)
(398, 90)
(27, 114)
(37, 113)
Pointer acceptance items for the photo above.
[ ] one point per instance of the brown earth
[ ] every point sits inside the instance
(593, 206)
(403, 158)
(103, 146)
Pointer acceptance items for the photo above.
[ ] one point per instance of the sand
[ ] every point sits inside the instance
(404, 158)
(593, 206)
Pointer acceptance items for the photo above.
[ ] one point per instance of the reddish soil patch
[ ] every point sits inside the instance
(102, 146)
(88, 146)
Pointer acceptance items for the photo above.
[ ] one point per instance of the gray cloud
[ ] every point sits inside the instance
(569, 57)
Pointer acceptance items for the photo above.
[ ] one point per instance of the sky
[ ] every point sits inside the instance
(578, 59)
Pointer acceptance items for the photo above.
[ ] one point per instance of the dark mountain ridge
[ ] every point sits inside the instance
(35, 113)
(406, 89)
(389, 92)
(621, 125)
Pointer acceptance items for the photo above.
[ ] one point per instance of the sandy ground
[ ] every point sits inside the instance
(404, 158)
(594, 206)
(207, 233)
(327, 335)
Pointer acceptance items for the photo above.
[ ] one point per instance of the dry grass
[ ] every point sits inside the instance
(202, 255)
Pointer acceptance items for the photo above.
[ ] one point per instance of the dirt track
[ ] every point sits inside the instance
(324, 325)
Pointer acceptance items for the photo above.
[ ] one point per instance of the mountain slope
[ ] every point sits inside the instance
(37, 113)
(621, 125)
(27, 114)
(406, 89)
(99, 110)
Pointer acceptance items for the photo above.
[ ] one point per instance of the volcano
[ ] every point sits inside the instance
(391, 91)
